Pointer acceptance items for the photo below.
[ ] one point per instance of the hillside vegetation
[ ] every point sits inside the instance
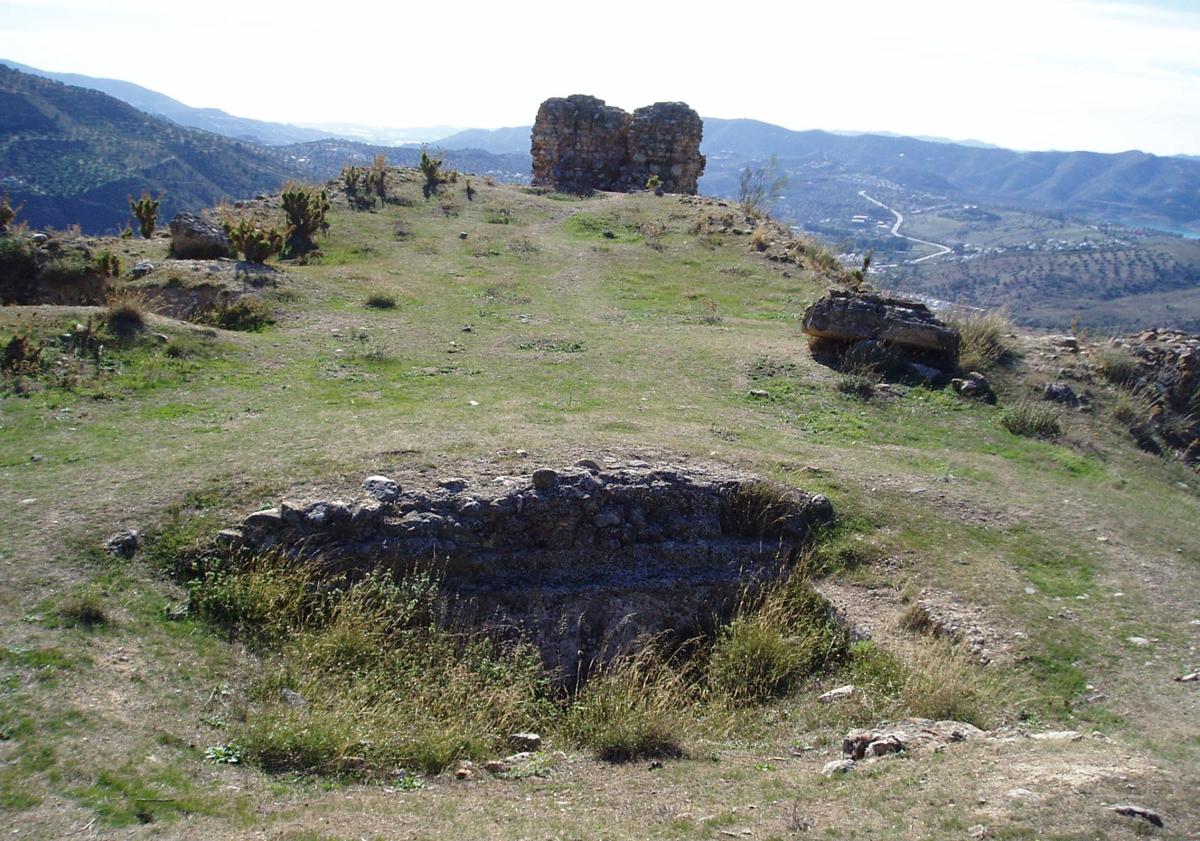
(1022, 567)
(74, 156)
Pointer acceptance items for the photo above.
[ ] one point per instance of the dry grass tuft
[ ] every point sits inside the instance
(126, 315)
(982, 337)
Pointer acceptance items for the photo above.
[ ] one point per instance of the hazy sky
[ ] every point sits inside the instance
(1029, 74)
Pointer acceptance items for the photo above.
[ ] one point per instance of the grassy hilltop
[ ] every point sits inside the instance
(490, 337)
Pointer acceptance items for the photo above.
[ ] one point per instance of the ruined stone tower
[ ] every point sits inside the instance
(579, 144)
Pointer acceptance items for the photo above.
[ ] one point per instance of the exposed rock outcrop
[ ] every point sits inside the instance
(197, 238)
(849, 317)
(582, 561)
(580, 144)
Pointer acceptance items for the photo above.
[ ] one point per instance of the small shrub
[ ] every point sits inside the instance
(502, 215)
(380, 301)
(1031, 420)
(982, 343)
(107, 264)
(758, 187)
(7, 212)
(22, 353)
(67, 270)
(1116, 364)
(305, 207)
(127, 232)
(244, 314)
(126, 316)
(254, 242)
(145, 210)
(916, 619)
(653, 182)
(18, 269)
(431, 169)
(376, 177)
(942, 683)
(1134, 408)
(83, 609)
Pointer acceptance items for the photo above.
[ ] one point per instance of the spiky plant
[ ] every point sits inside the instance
(305, 207)
(431, 168)
(145, 211)
(253, 241)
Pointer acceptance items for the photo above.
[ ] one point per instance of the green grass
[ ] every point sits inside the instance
(580, 344)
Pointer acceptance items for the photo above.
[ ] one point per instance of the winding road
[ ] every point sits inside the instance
(895, 229)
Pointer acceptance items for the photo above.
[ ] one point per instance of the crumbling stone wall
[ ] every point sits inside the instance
(582, 561)
(579, 144)
(664, 140)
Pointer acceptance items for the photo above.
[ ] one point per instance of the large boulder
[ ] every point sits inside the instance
(844, 318)
(197, 238)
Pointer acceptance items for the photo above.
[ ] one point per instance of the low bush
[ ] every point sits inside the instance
(22, 353)
(18, 269)
(244, 314)
(761, 237)
(856, 385)
(305, 207)
(106, 263)
(1031, 420)
(252, 240)
(1134, 408)
(380, 301)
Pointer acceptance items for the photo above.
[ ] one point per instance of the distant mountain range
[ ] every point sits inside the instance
(1129, 188)
(67, 151)
(209, 119)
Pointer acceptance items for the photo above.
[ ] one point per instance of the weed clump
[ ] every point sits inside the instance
(856, 385)
(7, 213)
(635, 708)
(83, 609)
(431, 169)
(22, 353)
(1031, 421)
